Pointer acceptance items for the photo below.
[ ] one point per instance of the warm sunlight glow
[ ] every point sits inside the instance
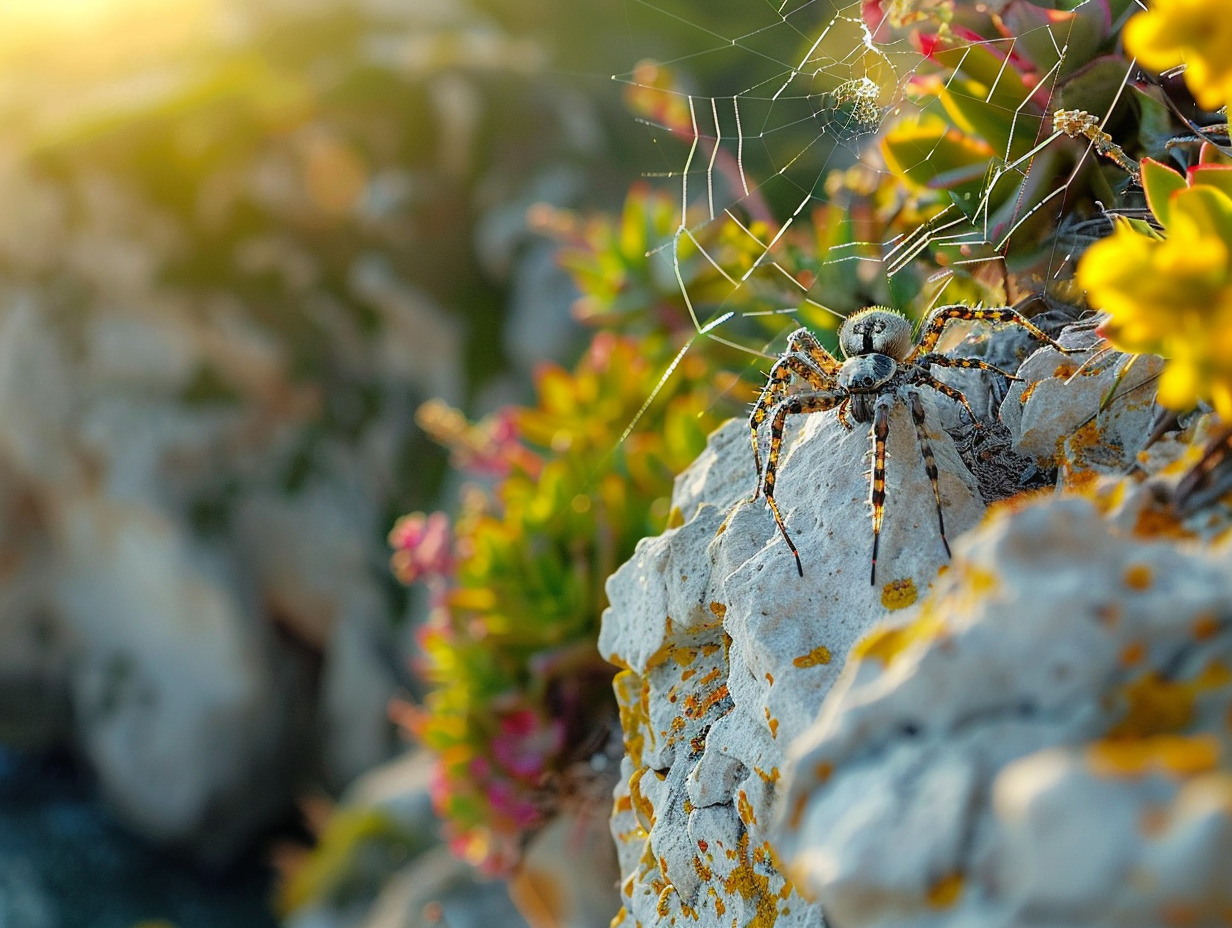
(81, 34)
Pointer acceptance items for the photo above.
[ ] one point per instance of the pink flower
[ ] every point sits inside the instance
(423, 547)
(493, 446)
(524, 747)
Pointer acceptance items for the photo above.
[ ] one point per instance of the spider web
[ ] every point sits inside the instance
(752, 159)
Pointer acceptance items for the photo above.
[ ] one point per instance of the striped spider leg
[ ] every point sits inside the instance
(881, 431)
(796, 404)
(804, 358)
(944, 315)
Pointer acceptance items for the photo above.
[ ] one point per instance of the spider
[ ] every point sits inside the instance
(881, 365)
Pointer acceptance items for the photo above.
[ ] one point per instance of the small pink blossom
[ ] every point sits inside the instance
(492, 447)
(525, 746)
(423, 547)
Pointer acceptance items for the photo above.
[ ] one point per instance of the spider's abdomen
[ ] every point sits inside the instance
(866, 373)
(875, 330)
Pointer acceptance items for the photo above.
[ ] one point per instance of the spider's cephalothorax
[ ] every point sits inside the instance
(882, 364)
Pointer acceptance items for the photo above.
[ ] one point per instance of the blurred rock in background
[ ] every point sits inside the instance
(240, 243)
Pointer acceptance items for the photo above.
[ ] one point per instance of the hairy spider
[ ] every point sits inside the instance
(881, 365)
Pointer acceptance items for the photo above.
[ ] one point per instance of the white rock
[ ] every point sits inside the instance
(728, 652)
(1041, 745)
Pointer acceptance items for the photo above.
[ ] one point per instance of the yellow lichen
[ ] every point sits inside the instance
(643, 809)
(1139, 577)
(886, 644)
(1174, 754)
(745, 808)
(945, 892)
(1159, 706)
(899, 594)
(718, 609)
(819, 655)
(753, 886)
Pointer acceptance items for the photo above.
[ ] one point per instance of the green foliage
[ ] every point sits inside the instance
(516, 682)
(983, 141)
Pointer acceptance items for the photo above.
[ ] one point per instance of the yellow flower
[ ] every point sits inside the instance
(1172, 296)
(1197, 33)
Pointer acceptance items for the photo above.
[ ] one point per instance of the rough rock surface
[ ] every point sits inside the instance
(1046, 742)
(727, 653)
(1039, 736)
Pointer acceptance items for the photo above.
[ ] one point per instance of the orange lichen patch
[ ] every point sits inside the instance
(1108, 613)
(620, 918)
(1205, 626)
(797, 810)
(768, 778)
(718, 609)
(697, 744)
(1065, 369)
(1025, 396)
(770, 678)
(886, 644)
(697, 705)
(678, 724)
(1178, 755)
(711, 677)
(664, 902)
(745, 808)
(703, 872)
(1139, 577)
(702, 845)
(819, 655)
(622, 804)
(710, 648)
(1158, 706)
(688, 674)
(945, 892)
(822, 771)
(772, 722)
(719, 907)
(1133, 653)
(688, 806)
(1159, 522)
(1155, 706)
(899, 594)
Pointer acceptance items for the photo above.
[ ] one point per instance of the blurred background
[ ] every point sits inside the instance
(241, 242)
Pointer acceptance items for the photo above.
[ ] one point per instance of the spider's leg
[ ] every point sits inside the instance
(929, 380)
(881, 429)
(792, 364)
(930, 464)
(793, 405)
(805, 342)
(843, 408)
(944, 360)
(944, 315)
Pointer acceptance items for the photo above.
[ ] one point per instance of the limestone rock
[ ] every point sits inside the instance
(1045, 742)
(728, 653)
